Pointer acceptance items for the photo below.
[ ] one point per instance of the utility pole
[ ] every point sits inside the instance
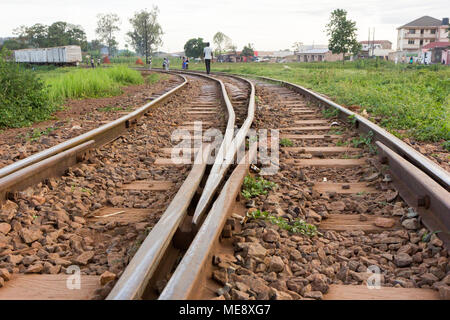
(146, 40)
(368, 45)
(373, 42)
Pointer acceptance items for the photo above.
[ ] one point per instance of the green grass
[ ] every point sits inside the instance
(77, 83)
(285, 142)
(154, 78)
(254, 187)
(412, 101)
(365, 140)
(296, 226)
(37, 133)
(330, 112)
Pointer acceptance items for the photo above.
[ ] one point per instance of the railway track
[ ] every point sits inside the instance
(203, 241)
(116, 182)
(331, 178)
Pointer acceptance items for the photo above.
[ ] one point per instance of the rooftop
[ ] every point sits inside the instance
(440, 44)
(425, 21)
(376, 41)
(318, 50)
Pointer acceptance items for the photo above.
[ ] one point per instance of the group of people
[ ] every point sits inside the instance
(92, 61)
(207, 54)
(185, 64)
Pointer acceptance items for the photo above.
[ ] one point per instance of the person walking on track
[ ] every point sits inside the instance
(207, 53)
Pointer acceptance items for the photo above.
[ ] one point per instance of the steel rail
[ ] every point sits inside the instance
(137, 274)
(425, 195)
(222, 162)
(229, 132)
(100, 135)
(220, 168)
(181, 285)
(131, 285)
(47, 168)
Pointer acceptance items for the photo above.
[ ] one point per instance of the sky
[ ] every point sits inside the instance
(267, 24)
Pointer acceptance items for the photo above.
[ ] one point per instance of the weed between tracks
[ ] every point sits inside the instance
(254, 187)
(366, 141)
(285, 142)
(330, 112)
(296, 226)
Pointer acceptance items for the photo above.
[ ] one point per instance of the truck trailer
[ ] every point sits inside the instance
(65, 55)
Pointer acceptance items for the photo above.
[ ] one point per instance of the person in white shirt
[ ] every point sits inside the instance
(207, 53)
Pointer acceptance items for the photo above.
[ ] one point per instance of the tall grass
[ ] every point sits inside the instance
(84, 83)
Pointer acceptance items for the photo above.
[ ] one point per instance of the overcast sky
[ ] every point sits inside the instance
(268, 24)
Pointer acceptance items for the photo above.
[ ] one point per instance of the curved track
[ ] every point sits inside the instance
(374, 201)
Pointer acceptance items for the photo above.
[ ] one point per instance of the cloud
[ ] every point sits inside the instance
(269, 24)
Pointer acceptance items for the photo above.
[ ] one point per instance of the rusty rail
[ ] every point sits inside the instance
(141, 268)
(224, 159)
(221, 167)
(422, 193)
(137, 275)
(183, 282)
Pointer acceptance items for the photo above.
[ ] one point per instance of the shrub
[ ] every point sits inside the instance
(23, 97)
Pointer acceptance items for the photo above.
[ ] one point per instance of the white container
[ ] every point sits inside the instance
(56, 55)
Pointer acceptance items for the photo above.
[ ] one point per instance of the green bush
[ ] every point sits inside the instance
(23, 96)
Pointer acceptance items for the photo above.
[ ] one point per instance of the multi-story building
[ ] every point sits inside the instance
(420, 32)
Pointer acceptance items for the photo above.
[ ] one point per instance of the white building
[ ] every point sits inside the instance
(420, 32)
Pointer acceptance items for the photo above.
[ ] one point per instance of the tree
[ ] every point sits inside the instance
(107, 26)
(342, 33)
(232, 47)
(58, 34)
(146, 35)
(297, 46)
(94, 45)
(194, 48)
(222, 42)
(62, 34)
(248, 51)
(13, 44)
(36, 35)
